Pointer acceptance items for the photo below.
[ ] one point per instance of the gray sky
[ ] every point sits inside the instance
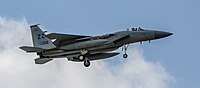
(178, 54)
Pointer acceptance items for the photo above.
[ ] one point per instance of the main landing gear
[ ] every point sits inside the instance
(125, 47)
(82, 57)
(86, 63)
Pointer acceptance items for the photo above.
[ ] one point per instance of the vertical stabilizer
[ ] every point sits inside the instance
(39, 38)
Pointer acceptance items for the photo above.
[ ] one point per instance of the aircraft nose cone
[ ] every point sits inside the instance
(161, 34)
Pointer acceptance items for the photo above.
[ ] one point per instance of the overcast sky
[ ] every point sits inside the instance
(175, 60)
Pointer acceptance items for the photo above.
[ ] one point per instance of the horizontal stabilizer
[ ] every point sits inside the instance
(31, 49)
(42, 60)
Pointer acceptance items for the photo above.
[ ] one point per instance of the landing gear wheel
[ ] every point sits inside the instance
(86, 63)
(81, 57)
(125, 55)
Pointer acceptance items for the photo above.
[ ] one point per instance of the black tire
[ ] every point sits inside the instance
(81, 57)
(125, 55)
(86, 63)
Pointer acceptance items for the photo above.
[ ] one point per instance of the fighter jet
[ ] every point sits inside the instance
(83, 48)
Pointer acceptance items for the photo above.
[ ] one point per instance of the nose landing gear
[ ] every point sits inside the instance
(125, 55)
(125, 47)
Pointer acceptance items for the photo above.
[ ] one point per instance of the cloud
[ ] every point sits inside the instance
(17, 69)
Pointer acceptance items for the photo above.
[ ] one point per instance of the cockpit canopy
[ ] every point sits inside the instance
(136, 29)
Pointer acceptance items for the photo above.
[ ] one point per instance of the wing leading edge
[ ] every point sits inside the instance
(60, 36)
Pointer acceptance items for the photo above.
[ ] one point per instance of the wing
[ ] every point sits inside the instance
(30, 49)
(61, 37)
(92, 57)
(64, 36)
(74, 57)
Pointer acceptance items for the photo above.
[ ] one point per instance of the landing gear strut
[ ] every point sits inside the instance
(125, 47)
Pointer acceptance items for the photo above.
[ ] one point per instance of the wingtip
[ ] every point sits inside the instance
(34, 25)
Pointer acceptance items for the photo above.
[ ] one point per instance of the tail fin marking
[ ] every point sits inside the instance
(39, 38)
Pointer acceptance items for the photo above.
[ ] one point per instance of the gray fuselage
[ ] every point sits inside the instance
(104, 43)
